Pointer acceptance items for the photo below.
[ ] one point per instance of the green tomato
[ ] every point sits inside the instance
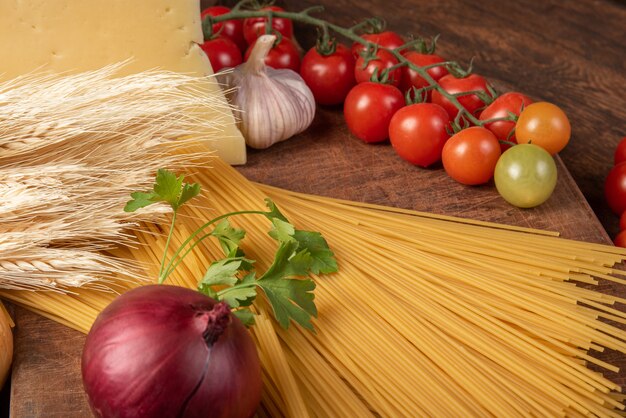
(525, 175)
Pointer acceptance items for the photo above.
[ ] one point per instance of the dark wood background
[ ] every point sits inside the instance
(569, 53)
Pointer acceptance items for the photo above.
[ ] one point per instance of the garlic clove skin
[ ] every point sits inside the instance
(275, 104)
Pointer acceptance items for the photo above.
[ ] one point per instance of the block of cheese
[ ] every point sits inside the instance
(79, 35)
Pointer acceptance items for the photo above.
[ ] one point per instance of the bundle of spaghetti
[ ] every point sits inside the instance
(427, 316)
(72, 148)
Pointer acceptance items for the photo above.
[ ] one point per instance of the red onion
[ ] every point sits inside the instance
(167, 351)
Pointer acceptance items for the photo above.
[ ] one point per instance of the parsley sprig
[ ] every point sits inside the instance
(233, 279)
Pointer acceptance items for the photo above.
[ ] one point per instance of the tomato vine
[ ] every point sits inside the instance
(352, 33)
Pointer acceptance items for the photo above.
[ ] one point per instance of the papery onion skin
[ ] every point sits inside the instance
(145, 356)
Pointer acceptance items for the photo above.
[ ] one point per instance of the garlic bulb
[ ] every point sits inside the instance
(275, 104)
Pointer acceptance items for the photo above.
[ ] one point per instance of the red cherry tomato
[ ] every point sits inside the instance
(368, 109)
(511, 102)
(283, 55)
(470, 156)
(330, 77)
(383, 60)
(620, 152)
(388, 39)
(253, 27)
(615, 188)
(222, 53)
(410, 78)
(454, 85)
(418, 133)
(620, 239)
(231, 29)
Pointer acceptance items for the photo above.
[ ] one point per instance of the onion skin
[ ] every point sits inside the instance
(145, 356)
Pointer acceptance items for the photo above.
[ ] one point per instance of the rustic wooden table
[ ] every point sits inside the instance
(570, 53)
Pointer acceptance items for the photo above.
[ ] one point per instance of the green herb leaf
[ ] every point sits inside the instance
(241, 294)
(140, 200)
(290, 297)
(323, 258)
(208, 290)
(245, 316)
(167, 188)
(273, 213)
(282, 230)
(222, 272)
(228, 237)
(189, 192)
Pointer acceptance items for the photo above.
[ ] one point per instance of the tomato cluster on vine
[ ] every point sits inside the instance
(428, 108)
(428, 132)
(231, 41)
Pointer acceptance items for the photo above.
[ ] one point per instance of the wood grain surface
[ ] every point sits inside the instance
(571, 53)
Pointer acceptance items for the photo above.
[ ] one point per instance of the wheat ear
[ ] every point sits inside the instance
(72, 149)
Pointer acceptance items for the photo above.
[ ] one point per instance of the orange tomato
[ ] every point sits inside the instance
(545, 125)
(470, 156)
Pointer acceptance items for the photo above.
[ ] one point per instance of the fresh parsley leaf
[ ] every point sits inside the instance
(140, 200)
(245, 316)
(206, 289)
(273, 213)
(189, 192)
(281, 230)
(323, 258)
(228, 237)
(290, 297)
(241, 294)
(167, 188)
(222, 272)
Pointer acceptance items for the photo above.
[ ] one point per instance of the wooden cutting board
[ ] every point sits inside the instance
(523, 45)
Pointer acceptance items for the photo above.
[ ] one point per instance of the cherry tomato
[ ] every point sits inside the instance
(231, 29)
(622, 221)
(470, 156)
(330, 77)
(222, 53)
(368, 110)
(383, 60)
(253, 27)
(615, 188)
(525, 175)
(410, 78)
(283, 55)
(453, 85)
(620, 239)
(418, 133)
(543, 124)
(511, 102)
(620, 152)
(388, 39)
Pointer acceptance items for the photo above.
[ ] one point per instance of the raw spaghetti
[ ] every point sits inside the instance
(427, 316)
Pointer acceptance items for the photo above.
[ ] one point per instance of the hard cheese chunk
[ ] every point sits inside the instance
(80, 35)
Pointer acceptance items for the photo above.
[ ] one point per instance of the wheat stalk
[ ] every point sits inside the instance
(72, 149)
(48, 268)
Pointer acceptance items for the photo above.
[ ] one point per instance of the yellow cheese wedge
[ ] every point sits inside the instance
(80, 35)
